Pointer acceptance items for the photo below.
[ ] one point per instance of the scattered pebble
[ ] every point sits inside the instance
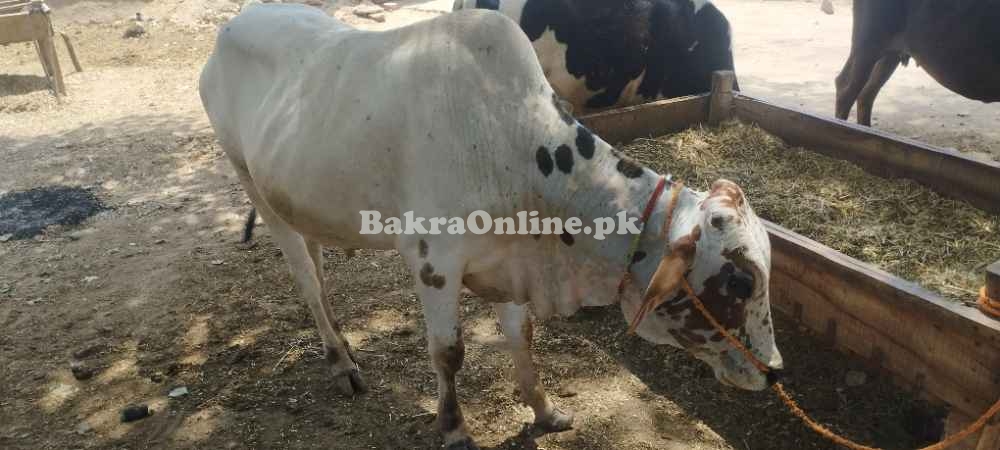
(178, 392)
(160, 241)
(855, 378)
(131, 413)
(134, 31)
(83, 428)
(88, 351)
(90, 279)
(81, 371)
(6, 237)
(827, 6)
(367, 10)
(218, 262)
(373, 12)
(566, 393)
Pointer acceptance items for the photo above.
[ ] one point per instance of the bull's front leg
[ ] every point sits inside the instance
(515, 322)
(438, 282)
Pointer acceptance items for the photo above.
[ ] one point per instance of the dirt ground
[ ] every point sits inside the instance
(154, 293)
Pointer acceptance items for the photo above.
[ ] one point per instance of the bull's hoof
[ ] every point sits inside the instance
(557, 421)
(349, 383)
(462, 444)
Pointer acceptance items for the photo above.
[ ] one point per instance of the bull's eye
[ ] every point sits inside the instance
(740, 285)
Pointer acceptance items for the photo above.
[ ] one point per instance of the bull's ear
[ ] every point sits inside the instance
(671, 270)
(668, 277)
(665, 281)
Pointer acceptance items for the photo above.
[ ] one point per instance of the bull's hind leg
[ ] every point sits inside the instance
(353, 383)
(515, 322)
(880, 75)
(438, 277)
(305, 262)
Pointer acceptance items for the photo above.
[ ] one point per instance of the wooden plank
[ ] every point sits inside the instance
(22, 27)
(945, 171)
(648, 120)
(12, 9)
(946, 349)
(720, 106)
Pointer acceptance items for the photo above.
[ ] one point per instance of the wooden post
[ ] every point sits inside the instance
(72, 52)
(989, 438)
(48, 49)
(720, 106)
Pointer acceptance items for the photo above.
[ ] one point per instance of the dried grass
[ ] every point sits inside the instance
(898, 225)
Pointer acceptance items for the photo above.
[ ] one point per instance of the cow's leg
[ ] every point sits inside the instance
(515, 323)
(883, 71)
(876, 24)
(853, 78)
(438, 281)
(307, 274)
(353, 383)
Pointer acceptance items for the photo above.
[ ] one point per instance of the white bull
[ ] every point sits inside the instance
(446, 117)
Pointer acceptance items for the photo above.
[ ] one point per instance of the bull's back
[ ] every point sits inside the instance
(380, 115)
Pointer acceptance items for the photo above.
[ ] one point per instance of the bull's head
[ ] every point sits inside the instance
(722, 249)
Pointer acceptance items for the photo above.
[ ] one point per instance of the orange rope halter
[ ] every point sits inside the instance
(986, 304)
(797, 410)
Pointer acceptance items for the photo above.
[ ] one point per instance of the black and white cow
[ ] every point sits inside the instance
(599, 54)
(448, 117)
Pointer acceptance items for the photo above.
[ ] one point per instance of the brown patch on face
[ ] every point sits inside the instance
(732, 195)
(728, 310)
(422, 248)
(429, 278)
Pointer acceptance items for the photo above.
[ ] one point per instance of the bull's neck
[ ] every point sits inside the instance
(602, 187)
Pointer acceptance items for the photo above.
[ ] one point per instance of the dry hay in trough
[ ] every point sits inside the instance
(895, 224)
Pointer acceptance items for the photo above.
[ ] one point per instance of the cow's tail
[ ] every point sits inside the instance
(248, 226)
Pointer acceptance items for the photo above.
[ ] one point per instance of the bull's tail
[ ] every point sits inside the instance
(248, 226)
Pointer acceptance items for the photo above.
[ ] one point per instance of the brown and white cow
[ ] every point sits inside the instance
(956, 41)
(450, 116)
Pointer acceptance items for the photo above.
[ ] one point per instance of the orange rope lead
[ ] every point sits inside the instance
(812, 424)
(987, 305)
